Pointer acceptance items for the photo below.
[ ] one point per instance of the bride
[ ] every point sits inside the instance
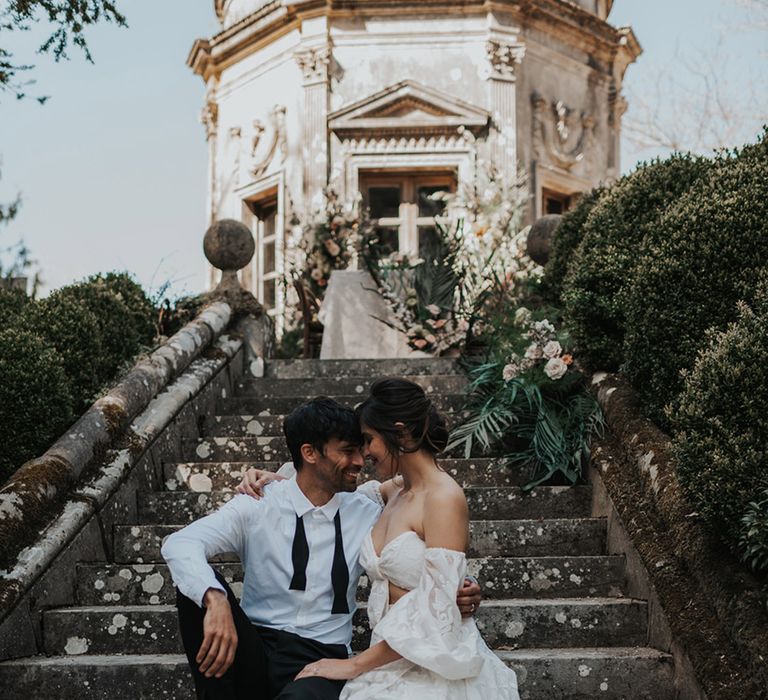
(415, 558)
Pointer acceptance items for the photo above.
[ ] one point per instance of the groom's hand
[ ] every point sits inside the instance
(469, 597)
(217, 651)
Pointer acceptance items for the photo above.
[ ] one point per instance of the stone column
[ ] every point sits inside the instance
(314, 67)
(210, 119)
(503, 57)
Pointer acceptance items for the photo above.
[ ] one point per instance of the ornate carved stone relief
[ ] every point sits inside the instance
(503, 58)
(235, 134)
(560, 134)
(279, 142)
(314, 64)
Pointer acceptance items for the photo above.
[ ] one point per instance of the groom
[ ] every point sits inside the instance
(300, 547)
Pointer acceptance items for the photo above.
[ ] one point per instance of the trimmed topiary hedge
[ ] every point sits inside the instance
(720, 426)
(69, 326)
(707, 253)
(612, 237)
(567, 238)
(35, 397)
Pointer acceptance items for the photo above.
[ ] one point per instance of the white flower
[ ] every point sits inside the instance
(552, 349)
(522, 316)
(332, 247)
(526, 364)
(510, 371)
(555, 368)
(534, 352)
(434, 309)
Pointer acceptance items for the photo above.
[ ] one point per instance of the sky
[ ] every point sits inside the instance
(112, 168)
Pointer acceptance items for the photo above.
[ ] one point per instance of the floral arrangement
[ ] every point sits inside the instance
(330, 239)
(543, 358)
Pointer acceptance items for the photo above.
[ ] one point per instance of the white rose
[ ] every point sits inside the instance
(534, 352)
(555, 368)
(434, 309)
(522, 316)
(552, 349)
(510, 371)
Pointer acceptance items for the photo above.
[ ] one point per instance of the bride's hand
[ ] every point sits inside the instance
(254, 481)
(333, 669)
(469, 597)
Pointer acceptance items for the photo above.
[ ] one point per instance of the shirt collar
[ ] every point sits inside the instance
(302, 505)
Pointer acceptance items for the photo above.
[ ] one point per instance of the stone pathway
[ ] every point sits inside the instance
(554, 607)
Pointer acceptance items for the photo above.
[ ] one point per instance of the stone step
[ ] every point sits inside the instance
(246, 425)
(492, 538)
(508, 624)
(334, 386)
(308, 369)
(616, 673)
(280, 405)
(494, 503)
(203, 477)
(519, 577)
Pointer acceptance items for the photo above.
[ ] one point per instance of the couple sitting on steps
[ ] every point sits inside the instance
(305, 540)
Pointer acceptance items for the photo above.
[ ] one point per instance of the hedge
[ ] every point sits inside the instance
(12, 304)
(68, 325)
(720, 427)
(35, 397)
(567, 238)
(612, 237)
(130, 292)
(706, 256)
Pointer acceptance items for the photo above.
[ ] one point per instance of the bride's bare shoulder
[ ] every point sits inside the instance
(446, 491)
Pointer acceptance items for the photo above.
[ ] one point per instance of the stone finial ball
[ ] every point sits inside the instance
(541, 237)
(228, 245)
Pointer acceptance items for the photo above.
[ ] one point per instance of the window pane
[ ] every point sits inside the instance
(270, 288)
(427, 206)
(389, 239)
(269, 256)
(429, 242)
(384, 202)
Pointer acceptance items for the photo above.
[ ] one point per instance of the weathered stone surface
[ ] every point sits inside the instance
(542, 236)
(308, 369)
(491, 538)
(224, 449)
(224, 476)
(242, 426)
(484, 504)
(350, 386)
(542, 537)
(617, 673)
(545, 624)
(283, 405)
(545, 577)
(507, 624)
(228, 244)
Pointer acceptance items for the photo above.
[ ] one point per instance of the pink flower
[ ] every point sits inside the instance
(534, 352)
(510, 371)
(430, 339)
(552, 349)
(420, 344)
(555, 368)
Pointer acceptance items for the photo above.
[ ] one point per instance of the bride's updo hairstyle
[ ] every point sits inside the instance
(393, 401)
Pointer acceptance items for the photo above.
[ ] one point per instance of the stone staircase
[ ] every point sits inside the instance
(553, 605)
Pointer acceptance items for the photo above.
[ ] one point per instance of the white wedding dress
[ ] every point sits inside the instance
(444, 657)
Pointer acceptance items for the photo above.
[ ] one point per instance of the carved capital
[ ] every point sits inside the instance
(503, 58)
(314, 64)
(210, 118)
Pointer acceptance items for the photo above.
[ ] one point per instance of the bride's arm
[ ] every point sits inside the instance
(446, 526)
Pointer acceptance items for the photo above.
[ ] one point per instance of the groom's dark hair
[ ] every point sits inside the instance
(316, 422)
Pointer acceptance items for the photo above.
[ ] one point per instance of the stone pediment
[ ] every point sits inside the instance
(407, 107)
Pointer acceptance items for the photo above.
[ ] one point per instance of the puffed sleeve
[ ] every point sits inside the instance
(425, 625)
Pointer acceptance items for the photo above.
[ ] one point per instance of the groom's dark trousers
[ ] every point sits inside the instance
(266, 661)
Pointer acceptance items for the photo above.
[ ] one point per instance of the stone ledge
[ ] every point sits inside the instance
(688, 568)
(61, 508)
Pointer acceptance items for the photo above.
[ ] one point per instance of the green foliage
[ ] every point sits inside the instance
(614, 233)
(708, 251)
(69, 326)
(753, 542)
(35, 398)
(69, 20)
(12, 305)
(721, 427)
(131, 293)
(567, 239)
(526, 402)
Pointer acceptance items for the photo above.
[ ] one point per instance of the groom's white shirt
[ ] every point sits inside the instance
(261, 533)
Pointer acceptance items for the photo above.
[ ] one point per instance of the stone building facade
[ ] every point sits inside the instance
(396, 99)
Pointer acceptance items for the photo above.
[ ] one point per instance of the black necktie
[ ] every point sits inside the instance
(339, 571)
